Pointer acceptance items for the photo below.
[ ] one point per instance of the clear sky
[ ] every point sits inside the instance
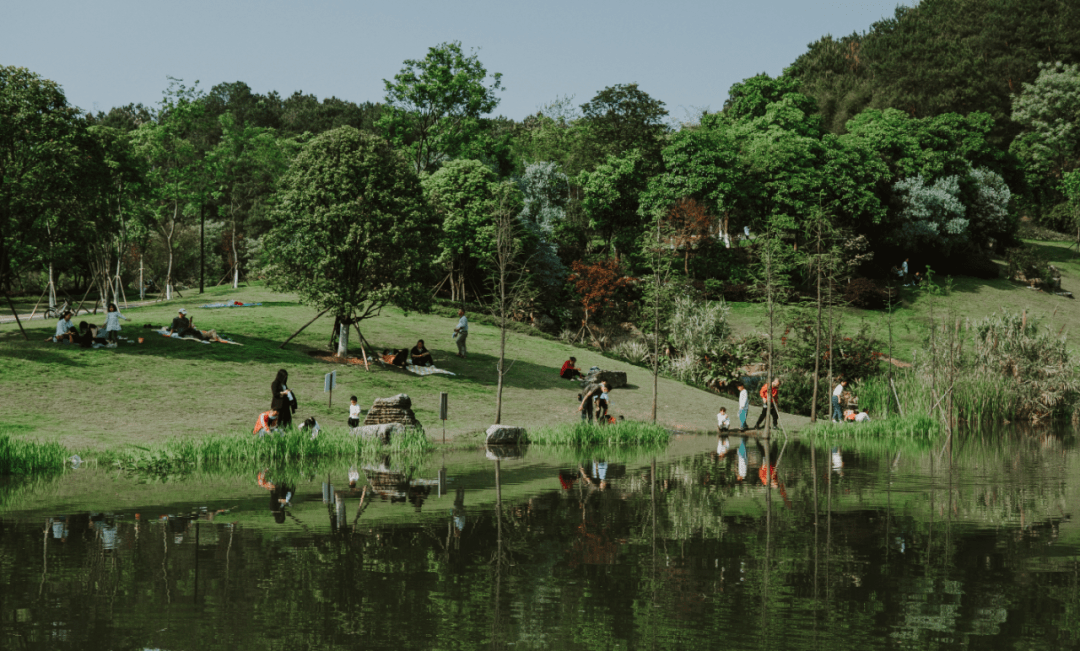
(685, 53)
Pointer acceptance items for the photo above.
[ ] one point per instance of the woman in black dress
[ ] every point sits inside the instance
(281, 400)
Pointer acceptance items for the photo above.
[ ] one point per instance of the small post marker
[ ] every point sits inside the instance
(443, 411)
(329, 383)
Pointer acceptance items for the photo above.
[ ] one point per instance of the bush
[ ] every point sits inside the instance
(865, 293)
(1028, 265)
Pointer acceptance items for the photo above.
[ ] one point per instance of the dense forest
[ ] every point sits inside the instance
(930, 137)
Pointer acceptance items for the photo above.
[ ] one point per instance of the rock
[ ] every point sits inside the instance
(396, 409)
(383, 432)
(505, 435)
(615, 379)
(504, 452)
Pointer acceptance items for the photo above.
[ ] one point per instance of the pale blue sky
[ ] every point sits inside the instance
(685, 53)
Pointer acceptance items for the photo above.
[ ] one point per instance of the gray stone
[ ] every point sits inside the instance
(382, 432)
(505, 435)
(400, 401)
(615, 379)
(504, 452)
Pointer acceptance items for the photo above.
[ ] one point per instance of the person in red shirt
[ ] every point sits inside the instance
(569, 371)
(267, 421)
(769, 404)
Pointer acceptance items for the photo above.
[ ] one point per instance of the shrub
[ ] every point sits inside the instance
(864, 293)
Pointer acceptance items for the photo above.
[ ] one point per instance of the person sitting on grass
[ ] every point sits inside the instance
(569, 371)
(266, 424)
(849, 416)
(421, 356)
(182, 326)
(863, 416)
(65, 329)
(395, 357)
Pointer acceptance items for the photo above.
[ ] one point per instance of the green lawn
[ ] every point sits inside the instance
(139, 394)
(972, 298)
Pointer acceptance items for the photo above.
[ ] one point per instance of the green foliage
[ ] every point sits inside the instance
(1048, 111)
(39, 134)
(434, 104)
(623, 118)
(698, 328)
(602, 441)
(21, 457)
(244, 449)
(915, 433)
(611, 195)
(352, 231)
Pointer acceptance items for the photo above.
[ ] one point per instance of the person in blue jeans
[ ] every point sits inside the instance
(744, 406)
(837, 415)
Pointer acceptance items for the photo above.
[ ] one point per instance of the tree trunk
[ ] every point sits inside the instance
(236, 258)
(817, 332)
(142, 283)
(343, 338)
(52, 288)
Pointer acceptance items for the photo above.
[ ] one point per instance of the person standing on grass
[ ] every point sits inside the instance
(768, 404)
(281, 399)
(461, 333)
(112, 324)
(744, 406)
(354, 412)
(586, 406)
(603, 403)
(837, 415)
(904, 270)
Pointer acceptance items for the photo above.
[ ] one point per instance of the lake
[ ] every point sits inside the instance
(700, 547)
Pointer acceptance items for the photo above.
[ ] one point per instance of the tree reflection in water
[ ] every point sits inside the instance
(779, 545)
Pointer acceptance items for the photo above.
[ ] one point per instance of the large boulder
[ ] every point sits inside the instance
(383, 432)
(396, 409)
(505, 435)
(616, 379)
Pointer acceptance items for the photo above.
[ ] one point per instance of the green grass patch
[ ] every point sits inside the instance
(23, 457)
(916, 434)
(622, 441)
(245, 450)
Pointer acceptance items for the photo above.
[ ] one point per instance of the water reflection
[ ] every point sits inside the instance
(779, 545)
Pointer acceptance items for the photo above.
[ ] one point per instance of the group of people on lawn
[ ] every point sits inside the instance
(769, 394)
(86, 334)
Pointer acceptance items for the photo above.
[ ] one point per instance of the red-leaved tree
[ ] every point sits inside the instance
(597, 285)
(689, 224)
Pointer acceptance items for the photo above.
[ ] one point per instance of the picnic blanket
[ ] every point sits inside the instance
(224, 340)
(426, 370)
(232, 304)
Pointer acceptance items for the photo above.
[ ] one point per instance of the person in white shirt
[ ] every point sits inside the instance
(862, 417)
(63, 329)
(354, 412)
(722, 421)
(112, 324)
(744, 407)
(837, 415)
(461, 333)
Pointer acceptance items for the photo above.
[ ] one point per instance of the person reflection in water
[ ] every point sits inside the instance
(280, 496)
(740, 474)
(837, 462)
(457, 514)
(599, 474)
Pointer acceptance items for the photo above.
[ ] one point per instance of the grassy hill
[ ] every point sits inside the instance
(144, 393)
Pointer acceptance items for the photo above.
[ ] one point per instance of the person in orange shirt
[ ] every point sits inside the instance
(267, 421)
(769, 404)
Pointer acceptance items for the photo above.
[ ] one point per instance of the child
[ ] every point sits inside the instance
(603, 403)
(863, 417)
(266, 424)
(744, 406)
(112, 324)
(722, 421)
(849, 415)
(354, 412)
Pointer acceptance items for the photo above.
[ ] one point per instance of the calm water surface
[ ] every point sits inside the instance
(699, 548)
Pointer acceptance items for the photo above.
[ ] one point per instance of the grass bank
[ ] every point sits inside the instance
(164, 389)
(22, 457)
(916, 434)
(621, 441)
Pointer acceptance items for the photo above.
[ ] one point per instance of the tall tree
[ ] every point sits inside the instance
(37, 132)
(176, 174)
(353, 232)
(433, 104)
(622, 118)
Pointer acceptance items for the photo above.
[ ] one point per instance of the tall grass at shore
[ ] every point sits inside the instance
(290, 448)
(22, 457)
(977, 398)
(916, 433)
(616, 441)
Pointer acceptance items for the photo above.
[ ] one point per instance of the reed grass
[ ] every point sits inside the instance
(293, 447)
(915, 433)
(621, 441)
(22, 457)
